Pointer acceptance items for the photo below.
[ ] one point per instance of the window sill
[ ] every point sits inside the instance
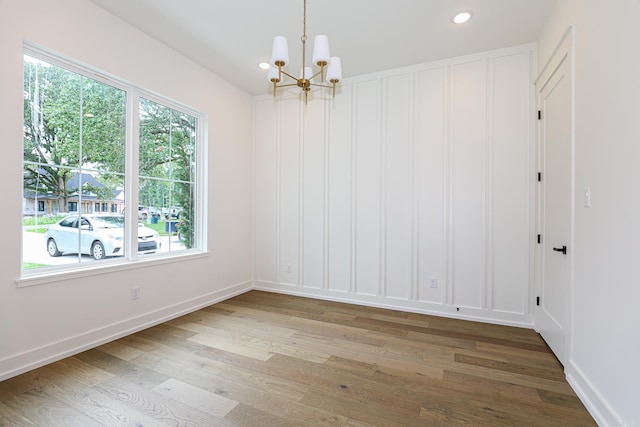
(57, 276)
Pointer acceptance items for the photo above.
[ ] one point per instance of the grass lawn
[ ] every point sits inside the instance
(29, 265)
(40, 229)
(159, 227)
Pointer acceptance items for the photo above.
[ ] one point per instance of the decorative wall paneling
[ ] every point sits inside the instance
(411, 189)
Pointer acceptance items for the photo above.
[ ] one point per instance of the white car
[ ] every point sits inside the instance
(101, 235)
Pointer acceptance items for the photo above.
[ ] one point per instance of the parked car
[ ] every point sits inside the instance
(172, 213)
(101, 235)
(143, 213)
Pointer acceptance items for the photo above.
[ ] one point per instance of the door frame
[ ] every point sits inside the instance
(566, 46)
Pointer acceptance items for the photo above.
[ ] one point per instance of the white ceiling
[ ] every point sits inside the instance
(231, 37)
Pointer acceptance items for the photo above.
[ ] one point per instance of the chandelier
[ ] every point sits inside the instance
(321, 59)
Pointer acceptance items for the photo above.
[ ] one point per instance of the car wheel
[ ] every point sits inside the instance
(52, 248)
(144, 216)
(97, 251)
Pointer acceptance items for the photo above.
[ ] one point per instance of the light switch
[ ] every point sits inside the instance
(587, 197)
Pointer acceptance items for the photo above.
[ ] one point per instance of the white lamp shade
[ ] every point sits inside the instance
(321, 50)
(273, 75)
(280, 51)
(334, 73)
(308, 73)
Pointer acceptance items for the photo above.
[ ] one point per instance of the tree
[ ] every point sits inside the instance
(167, 161)
(70, 122)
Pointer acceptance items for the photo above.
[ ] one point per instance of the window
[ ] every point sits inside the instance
(76, 156)
(167, 154)
(69, 222)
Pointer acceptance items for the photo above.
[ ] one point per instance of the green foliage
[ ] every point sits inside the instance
(167, 162)
(41, 220)
(31, 265)
(70, 122)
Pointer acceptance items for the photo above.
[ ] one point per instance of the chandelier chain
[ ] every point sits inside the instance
(304, 22)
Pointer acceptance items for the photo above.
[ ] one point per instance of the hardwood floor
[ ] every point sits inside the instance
(263, 359)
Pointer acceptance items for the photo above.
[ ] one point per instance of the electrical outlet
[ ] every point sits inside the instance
(433, 282)
(288, 268)
(135, 292)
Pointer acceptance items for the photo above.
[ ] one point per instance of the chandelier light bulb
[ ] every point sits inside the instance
(308, 73)
(280, 52)
(273, 75)
(334, 74)
(321, 53)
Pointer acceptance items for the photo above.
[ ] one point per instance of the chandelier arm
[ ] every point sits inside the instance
(320, 85)
(318, 73)
(290, 84)
(289, 75)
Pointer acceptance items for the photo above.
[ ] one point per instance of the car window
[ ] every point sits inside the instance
(68, 222)
(109, 222)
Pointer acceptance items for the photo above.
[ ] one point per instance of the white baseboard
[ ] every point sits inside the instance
(595, 403)
(420, 307)
(49, 353)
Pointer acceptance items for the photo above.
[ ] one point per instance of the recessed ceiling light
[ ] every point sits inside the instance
(462, 17)
(264, 65)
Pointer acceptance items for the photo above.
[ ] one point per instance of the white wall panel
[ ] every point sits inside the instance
(510, 183)
(429, 185)
(398, 186)
(340, 181)
(468, 126)
(368, 186)
(288, 171)
(313, 195)
(265, 190)
(405, 176)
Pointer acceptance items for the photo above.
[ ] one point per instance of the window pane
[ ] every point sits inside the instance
(74, 137)
(167, 173)
(103, 126)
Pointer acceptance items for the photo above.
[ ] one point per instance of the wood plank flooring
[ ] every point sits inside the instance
(263, 359)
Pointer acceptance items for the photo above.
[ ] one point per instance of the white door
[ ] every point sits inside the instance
(555, 101)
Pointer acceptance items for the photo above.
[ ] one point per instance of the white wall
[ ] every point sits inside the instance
(603, 360)
(43, 322)
(406, 175)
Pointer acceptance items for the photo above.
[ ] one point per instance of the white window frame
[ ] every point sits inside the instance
(132, 259)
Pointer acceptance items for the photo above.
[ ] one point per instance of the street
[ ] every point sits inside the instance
(34, 250)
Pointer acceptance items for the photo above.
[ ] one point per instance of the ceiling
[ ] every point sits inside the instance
(231, 37)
